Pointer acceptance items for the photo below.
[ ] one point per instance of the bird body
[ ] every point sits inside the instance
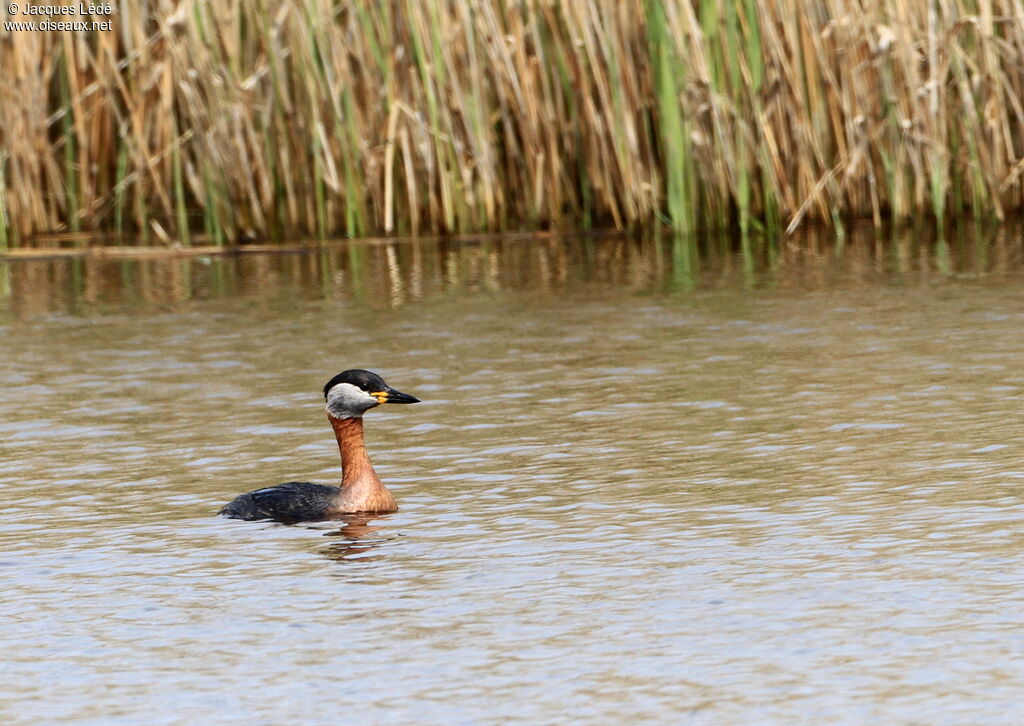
(349, 395)
(293, 501)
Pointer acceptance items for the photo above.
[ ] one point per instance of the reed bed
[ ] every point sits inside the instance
(220, 118)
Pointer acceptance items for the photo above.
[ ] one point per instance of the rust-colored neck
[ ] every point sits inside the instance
(355, 463)
(361, 488)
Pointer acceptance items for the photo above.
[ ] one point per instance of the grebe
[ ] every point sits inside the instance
(349, 395)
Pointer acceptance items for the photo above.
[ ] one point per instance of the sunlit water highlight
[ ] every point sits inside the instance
(647, 483)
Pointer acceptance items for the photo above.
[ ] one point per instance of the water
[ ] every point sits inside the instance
(648, 482)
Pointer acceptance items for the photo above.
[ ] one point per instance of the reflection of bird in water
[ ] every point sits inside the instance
(349, 395)
(356, 539)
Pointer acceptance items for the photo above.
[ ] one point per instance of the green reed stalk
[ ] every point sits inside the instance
(4, 222)
(119, 189)
(68, 142)
(180, 203)
(319, 190)
(671, 123)
(211, 220)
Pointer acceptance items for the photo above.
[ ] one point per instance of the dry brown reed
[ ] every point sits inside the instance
(354, 118)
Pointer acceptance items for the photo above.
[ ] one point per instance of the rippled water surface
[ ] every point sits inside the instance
(649, 483)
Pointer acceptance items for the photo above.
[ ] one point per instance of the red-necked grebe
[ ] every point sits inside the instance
(349, 395)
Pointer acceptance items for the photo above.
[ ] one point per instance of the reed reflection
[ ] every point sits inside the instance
(392, 274)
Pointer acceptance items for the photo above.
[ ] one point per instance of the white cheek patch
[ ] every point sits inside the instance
(345, 400)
